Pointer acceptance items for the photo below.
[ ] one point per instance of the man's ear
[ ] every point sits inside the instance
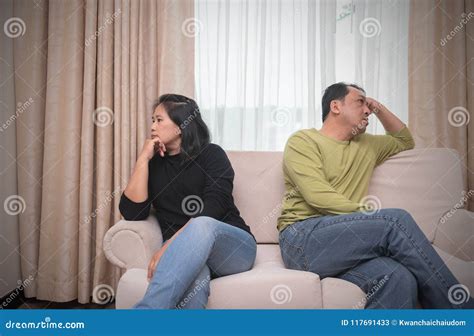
(335, 106)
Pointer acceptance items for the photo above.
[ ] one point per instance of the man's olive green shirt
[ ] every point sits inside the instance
(324, 176)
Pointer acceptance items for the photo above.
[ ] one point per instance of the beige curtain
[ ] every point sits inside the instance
(441, 85)
(92, 70)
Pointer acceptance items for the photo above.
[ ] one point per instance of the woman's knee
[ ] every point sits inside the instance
(202, 227)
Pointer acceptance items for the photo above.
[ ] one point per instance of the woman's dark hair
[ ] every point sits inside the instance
(184, 112)
(336, 91)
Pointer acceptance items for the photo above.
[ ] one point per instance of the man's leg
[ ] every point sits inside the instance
(331, 245)
(387, 284)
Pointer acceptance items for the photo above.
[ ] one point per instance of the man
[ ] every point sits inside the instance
(324, 227)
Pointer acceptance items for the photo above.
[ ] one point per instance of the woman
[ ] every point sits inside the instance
(189, 182)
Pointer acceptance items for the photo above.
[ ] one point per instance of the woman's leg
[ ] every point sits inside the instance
(387, 284)
(204, 241)
(197, 294)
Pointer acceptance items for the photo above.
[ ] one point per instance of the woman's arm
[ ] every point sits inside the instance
(137, 187)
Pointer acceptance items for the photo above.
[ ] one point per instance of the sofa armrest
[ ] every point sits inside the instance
(454, 232)
(131, 244)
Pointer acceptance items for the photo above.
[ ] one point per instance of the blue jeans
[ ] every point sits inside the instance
(384, 253)
(182, 276)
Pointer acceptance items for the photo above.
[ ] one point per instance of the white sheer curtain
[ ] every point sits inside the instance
(261, 66)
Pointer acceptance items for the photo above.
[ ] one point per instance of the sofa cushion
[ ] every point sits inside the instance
(425, 182)
(131, 288)
(341, 294)
(461, 269)
(268, 285)
(258, 191)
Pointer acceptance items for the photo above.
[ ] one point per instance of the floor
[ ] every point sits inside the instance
(40, 304)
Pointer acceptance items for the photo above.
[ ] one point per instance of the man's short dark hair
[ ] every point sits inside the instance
(336, 91)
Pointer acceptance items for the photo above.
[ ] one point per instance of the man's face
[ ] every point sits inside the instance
(354, 110)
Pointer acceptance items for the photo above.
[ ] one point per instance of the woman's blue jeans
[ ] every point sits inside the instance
(182, 276)
(384, 253)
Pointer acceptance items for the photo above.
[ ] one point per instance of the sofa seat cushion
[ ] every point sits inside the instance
(341, 294)
(268, 285)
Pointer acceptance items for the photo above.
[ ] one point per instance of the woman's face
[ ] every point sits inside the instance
(163, 127)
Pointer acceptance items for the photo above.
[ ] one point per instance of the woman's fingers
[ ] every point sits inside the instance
(162, 149)
(151, 268)
(159, 146)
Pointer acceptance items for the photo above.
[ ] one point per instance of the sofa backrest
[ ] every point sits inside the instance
(425, 182)
(258, 191)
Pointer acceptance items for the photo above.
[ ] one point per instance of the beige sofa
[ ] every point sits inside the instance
(426, 182)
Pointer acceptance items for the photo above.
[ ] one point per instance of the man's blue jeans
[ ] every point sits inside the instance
(182, 276)
(384, 253)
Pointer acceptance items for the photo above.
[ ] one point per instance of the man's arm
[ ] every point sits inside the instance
(398, 137)
(390, 121)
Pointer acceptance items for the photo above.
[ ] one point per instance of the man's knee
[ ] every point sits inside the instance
(403, 281)
(396, 213)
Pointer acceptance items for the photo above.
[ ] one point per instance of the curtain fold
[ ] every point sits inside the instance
(9, 232)
(30, 77)
(381, 54)
(441, 82)
(93, 69)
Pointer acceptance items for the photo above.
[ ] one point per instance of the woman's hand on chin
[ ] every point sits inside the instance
(151, 147)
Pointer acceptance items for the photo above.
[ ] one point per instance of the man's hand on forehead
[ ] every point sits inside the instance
(374, 105)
